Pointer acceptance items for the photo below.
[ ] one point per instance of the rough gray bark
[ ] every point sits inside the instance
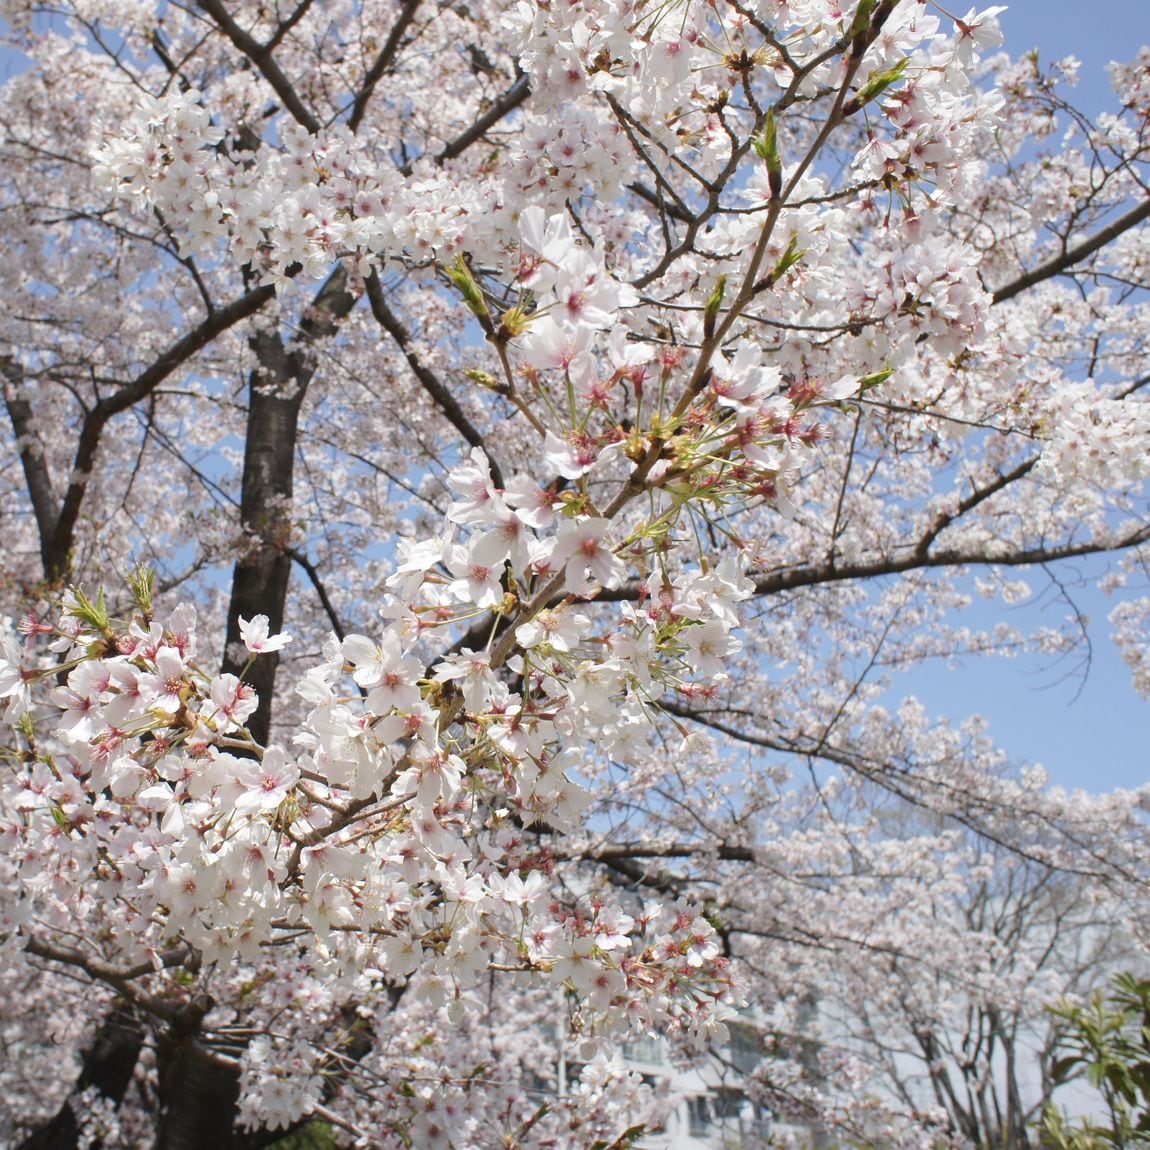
(198, 1095)
(32, 458)
(276, 392)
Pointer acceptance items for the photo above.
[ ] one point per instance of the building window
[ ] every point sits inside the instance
(729, 1103)
(647, 1049)
(698, 1116)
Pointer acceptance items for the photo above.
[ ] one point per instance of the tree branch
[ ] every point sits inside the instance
(57, 558)
(300, 12)
(979, 495)
(1074, 255)
(382, 62)
(261, 56)
(508, 102)
(435, 388)
(120, 978)
(812, 575)
(312, 573)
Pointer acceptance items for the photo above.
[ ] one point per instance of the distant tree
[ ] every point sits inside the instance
(944, 1009)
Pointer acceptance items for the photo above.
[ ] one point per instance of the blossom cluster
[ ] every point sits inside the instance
(398, 832)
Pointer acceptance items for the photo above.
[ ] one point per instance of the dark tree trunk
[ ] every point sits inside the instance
(198, 1095)
(108, 1066)
(276, 393)
(260, 578)
(34, 461)
(199, 1091)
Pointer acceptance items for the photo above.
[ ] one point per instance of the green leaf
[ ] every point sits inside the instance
(460, 275)
(82, 608)
(625, 1140)
(767, 148)
(861, 22)
(790, 257)
(876, 85)
(875, 378)
(714, 304)
(1062, 1068)
(1106, 1039)
(141, 583)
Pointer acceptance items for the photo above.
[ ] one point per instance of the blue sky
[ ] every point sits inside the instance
(1095, 32)
(1085, 725)
(1091, 732)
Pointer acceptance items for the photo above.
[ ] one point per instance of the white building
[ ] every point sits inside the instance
(707, 1106)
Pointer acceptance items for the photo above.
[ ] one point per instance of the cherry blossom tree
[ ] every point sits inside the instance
(479, 468)
(946, 1006)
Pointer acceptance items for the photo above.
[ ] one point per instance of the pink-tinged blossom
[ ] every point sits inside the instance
(743, 383)
(612, 928)
(254, 633)
(523, 892)
(126, 698)
(541, 553)
(515, 538)
(571, 459)
(558, 628)
(278, 1084)
(162, 690)
(80, 700)
(534, 505)
(265, 783)
(628, 357)
(432, 777)
(421, 845)
(232, 702)
(13, 681)
(471, 672)
(717, 592)
(589, 977)
(978, 31)
(391, 675)
(542, 938)
(417, 557)
(550, 345)
(478, 566)
(180, 629)
(476, 500)
(581, 547)
(460, 887)
(399, 954)
(398, 688)
(587, 296)
(547, 242)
